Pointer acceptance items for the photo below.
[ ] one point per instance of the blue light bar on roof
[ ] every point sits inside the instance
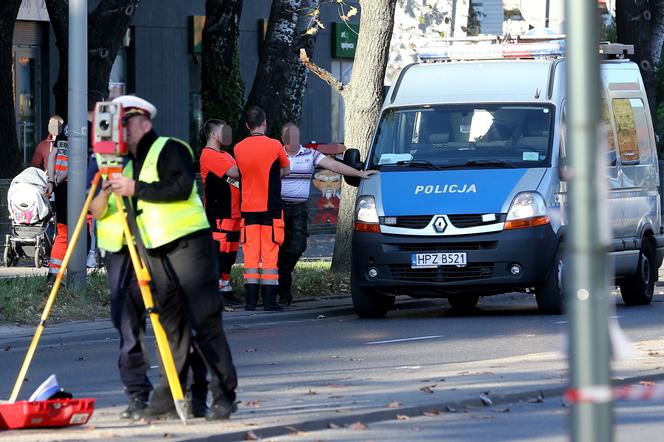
(444, 51)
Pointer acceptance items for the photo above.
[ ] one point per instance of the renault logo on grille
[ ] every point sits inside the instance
(440, 224)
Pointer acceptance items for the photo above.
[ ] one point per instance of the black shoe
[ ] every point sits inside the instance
(285, 300)
(230, 299)
(198, 408)
(50, 279)
(154, 413)
(135, 404)
(269, 293)
(251, 297)
(220, 411)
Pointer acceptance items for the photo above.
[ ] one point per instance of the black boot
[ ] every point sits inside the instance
(285, 295)
(269, 293)
(251, 298)
(135, 404)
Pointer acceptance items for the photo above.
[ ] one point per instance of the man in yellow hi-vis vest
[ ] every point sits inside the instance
(174, 228)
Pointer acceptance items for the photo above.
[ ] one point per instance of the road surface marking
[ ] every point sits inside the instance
(403, 340)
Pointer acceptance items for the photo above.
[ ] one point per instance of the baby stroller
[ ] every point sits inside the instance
(30, 212)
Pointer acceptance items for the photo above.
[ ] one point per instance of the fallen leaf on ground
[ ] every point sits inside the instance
(358, 426)
(538, 399)
(431, 413)
(335, 397)
(253, 404)
(7, 348)
(486, 401)
(428, 389)
(310, 392)
(321, 317)
(333, 425)
(450, 409)
(394, 404)
(81, 358)
(168, 435)
(251, 436)
(402, 417)
(502, 410)
(251, 350)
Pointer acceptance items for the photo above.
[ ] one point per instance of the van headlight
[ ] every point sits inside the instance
(528, 209)
(366, 215)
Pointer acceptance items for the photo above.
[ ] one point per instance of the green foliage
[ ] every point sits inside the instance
(608, 31)
(474, 18)
(223, 98)
(22, 300)
(659, 93)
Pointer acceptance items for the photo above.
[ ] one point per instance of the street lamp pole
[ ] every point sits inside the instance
(78, 134)
(588, 294)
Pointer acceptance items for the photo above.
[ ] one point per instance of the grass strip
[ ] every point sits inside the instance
(22, 299)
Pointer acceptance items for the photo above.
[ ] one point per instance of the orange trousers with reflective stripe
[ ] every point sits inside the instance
(59, 248)
(259, 247)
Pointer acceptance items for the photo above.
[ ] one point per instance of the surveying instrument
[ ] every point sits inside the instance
(110, 147)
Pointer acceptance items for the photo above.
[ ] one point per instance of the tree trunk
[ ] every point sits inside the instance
(657, 32)
(222, 88)
(11, 163)
(634, 26)
(274, 69)
(363, 99)
(107, 26)
(291, 109)
(58, 13)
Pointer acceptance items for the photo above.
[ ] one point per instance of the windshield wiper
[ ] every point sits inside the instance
(417, 163)
(490, 163)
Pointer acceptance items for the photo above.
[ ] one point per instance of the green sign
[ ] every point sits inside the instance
(344, 39)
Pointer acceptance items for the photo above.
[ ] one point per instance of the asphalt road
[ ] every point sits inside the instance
(319, 361)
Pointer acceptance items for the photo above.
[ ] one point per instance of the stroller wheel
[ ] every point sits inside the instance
(39, 257)
(9, 256)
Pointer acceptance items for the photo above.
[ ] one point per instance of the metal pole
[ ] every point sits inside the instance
(547, 13)
(78, 132)
(453, 20)
(588, 294)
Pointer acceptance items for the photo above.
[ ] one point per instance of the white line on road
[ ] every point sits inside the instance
(403, 340)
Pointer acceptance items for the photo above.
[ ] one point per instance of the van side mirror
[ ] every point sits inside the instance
(352, 159)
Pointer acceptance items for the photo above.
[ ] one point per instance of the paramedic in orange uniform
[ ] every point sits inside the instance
(261, 161)
(221, 196)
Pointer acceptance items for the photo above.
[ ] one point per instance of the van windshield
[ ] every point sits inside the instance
(464, 136)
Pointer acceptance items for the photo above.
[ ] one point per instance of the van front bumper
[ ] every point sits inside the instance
(489, 259)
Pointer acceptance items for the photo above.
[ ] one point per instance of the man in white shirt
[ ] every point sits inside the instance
(294, 195)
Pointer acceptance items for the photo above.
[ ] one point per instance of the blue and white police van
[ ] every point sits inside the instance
(469, 200)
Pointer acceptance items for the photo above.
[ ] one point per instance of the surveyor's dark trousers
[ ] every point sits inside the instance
(295, 243)
(128, 316)
(185, 276)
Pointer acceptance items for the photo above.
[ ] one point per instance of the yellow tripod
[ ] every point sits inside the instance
(144, 282)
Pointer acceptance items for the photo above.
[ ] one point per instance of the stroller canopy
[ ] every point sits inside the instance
(25, 198)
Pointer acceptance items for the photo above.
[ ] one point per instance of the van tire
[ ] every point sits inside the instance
(463, 302)
(551, 294)
(638, 288)
(369, 303)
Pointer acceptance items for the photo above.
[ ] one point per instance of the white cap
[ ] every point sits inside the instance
(134, 105)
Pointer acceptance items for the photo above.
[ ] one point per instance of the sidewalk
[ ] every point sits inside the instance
(272, 406)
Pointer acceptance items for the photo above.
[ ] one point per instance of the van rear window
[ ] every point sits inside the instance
(469, 135)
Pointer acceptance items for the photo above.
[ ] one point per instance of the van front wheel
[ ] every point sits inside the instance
(369, 303)
(551, 295)
(637, 289)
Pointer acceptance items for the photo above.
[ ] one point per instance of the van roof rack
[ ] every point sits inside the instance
(494, 47)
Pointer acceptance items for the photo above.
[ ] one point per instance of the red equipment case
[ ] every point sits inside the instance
(51, 413)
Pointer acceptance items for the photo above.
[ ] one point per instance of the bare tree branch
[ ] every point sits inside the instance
(324, 75)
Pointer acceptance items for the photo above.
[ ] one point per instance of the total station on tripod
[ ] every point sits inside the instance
(109, 137)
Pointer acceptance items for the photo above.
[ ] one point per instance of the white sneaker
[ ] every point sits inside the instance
(91, 261)
(226, 288)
